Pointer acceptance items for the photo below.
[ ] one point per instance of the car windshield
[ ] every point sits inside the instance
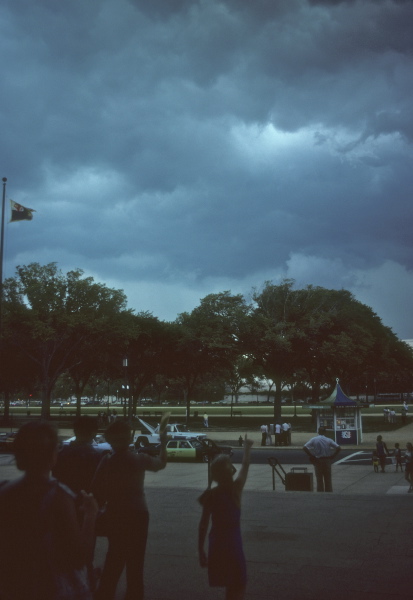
(181, 428)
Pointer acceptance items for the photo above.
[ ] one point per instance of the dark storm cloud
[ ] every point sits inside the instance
(181, 147)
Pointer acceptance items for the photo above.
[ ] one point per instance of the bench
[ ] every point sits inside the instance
(237, 413)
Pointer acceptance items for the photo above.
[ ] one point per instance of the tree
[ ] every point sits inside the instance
(210, 340)
(52, 316)
(149, 352)
(322, 334)
(272, 335)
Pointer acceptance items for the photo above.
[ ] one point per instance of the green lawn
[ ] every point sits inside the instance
(252, 417)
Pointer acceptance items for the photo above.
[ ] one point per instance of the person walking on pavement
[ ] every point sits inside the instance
(284, 434)
(408, 469)
(263, 435)
(277, 436)
(321, 451)
(382, 452)
(398, 457)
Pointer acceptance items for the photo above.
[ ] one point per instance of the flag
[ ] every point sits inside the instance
(20, 213)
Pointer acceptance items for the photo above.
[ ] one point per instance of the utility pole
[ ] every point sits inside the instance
(3, 210)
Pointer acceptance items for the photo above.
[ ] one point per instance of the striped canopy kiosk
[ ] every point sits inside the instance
(341, 416)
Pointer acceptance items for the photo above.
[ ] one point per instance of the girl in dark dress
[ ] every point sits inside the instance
(222, 504)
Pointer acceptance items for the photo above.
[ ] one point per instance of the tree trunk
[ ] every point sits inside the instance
(277, 399)
(6, 406)
(46, 394)
(188, 406)
(315, 391)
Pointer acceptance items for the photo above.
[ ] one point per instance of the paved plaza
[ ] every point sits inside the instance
(356, 543)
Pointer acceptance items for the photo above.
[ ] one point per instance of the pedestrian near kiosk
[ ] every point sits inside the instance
(382, 452)
(263, 435)
(284, 434)
(322, 450)
(397, 453)
(277, 435)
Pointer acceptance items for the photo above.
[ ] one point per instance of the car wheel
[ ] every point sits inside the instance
(141, 441)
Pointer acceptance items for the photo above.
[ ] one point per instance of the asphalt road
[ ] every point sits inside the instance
(298, 457)
(284, 456)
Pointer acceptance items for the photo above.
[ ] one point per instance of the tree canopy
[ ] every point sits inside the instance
(65, 324)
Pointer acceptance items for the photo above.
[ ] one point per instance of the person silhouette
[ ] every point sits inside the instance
(119, 482)
(222, 505)
(43, 546)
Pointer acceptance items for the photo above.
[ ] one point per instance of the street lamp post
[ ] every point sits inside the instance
(128, 396)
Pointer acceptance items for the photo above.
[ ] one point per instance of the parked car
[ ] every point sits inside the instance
(99, 443)
(150, 435)
(195, 449)
(6, 441)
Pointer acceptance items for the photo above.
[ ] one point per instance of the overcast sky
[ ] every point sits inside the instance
(176, 148)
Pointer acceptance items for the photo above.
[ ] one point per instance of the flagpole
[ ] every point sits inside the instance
(3, 210)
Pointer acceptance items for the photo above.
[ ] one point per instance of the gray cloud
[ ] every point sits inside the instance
(173, 147)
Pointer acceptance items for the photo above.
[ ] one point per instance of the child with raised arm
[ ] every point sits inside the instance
(222, 504)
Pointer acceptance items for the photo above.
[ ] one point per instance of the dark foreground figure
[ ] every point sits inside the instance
(222, 505)
(119, 483)
(43, 547)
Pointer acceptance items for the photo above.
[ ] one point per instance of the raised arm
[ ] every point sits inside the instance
(243, 473)
(163, 438)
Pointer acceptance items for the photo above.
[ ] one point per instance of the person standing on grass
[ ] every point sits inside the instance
(222, 505)
(322, 450)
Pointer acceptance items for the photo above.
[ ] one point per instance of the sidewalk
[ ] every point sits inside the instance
(354, 543)
(299, 438)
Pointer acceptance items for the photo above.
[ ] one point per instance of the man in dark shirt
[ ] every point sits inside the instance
(77, 462)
